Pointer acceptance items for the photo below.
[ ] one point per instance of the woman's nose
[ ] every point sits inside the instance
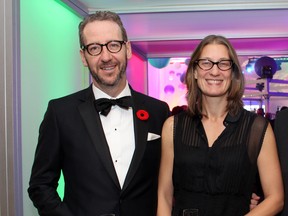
(214, 70)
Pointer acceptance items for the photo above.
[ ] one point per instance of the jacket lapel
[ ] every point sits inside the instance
(141, 132)
(94, 127)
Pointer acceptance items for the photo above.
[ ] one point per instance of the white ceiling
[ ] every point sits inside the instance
(172, 28)
(161, 28)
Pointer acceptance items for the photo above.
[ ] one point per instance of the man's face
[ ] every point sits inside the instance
(107, 69)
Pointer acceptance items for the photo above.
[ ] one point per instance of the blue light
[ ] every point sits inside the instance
(249, 68)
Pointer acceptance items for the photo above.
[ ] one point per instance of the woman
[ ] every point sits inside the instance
(210, 154)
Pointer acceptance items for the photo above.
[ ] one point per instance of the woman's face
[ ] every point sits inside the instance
(214, 82)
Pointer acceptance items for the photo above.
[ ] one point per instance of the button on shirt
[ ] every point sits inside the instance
(119, 131)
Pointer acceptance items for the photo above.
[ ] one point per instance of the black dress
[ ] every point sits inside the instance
(217, 180)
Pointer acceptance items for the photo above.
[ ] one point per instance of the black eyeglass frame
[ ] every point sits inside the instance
(85, 47)
(213, 63)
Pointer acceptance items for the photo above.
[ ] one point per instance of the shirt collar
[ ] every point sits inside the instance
(228, 119)
(231, 119)
(100, 94)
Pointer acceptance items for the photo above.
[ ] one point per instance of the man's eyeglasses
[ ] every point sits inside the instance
(95, 49)
(206, 64)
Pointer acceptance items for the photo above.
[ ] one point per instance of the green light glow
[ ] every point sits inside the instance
(50, 68)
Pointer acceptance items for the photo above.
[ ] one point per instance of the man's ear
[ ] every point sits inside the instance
(84, 61)
(128, 49)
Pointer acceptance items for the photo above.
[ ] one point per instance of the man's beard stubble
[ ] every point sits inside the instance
(102, 82)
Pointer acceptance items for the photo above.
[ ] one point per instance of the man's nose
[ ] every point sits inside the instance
(105, 54)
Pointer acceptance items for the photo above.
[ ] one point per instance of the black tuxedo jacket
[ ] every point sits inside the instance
(71, 140)
(281, 133)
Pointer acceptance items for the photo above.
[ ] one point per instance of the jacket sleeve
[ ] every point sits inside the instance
(46, 169)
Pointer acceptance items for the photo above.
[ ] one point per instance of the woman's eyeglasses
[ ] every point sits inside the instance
(206, 64)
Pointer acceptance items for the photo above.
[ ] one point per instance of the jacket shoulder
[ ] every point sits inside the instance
(79, 95)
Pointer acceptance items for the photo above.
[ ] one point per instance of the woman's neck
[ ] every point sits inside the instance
(214, 108)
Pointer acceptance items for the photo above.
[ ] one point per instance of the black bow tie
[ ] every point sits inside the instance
(103, 105)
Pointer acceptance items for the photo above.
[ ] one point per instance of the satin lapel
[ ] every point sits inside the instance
(141, 132)
(94, 127)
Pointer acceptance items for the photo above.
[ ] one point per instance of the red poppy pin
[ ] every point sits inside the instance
(142, 115)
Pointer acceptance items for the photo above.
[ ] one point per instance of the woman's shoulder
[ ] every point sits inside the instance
(258, 122)
(251, 114)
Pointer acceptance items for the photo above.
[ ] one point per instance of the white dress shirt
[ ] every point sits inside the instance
(119, 131)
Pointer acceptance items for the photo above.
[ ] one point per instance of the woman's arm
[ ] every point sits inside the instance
(165, 187)
(270, 176)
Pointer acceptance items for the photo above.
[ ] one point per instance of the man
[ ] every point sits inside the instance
(280, 130)
(110, 160)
